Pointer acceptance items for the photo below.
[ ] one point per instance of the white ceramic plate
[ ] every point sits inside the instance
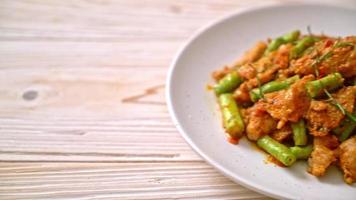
(195, 113)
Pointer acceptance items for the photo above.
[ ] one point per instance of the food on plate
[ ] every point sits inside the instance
(294, 96)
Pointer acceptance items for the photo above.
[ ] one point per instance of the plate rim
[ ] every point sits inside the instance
(168, 91)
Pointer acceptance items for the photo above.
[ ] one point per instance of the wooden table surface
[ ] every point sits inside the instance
(82, 107)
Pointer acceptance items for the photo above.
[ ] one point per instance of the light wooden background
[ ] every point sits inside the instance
(82, 107)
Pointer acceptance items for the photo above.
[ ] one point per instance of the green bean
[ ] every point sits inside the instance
(301, 46)
(255, 94)
(302, 152)
(227, 84)
(287, 38)
(344, 44)
(299, 133)
(232, 120)
(277, 150)
(275, 44)
(329, 82)
(291, 37)
(347, 130)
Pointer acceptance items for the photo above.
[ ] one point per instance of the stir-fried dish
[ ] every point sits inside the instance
(295, 97)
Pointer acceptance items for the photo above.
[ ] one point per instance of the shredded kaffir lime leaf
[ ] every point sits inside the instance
(340, 107)
(328, 54)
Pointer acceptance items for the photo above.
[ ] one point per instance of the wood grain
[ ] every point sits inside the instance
(82, 106)
(117, 181)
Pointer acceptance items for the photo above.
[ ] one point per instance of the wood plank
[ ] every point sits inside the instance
(33, 55)
(109, 20)
(92, 140)
(103, 92)
(117, 181)
(94, 114)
